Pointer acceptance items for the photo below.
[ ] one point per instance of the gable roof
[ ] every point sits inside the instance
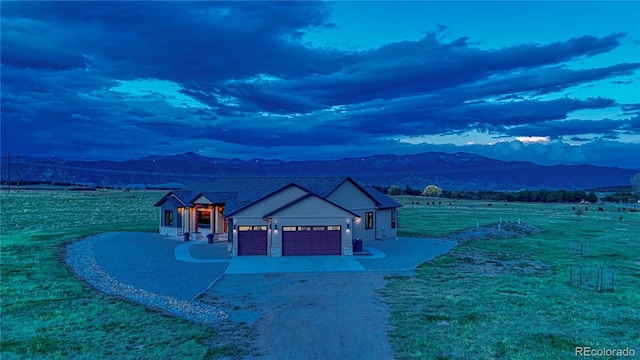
(239, 192)
(177, 198)
(304, 197)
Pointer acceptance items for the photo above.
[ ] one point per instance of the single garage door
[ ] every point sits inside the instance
(311, 240)
(252, 240)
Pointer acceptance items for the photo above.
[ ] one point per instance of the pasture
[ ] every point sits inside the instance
(498, 298)
(511, 298)
(49, 313)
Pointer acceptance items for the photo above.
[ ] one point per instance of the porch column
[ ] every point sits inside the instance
(212, 220)
(195, 218)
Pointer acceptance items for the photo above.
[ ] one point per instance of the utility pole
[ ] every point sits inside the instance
(9, 172)
(18, 182)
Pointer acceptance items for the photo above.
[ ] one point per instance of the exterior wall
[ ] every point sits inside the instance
(350, 197)
(272, 202)
(382, 223)
(174, 229)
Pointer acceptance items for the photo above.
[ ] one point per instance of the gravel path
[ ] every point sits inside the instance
(159, 281)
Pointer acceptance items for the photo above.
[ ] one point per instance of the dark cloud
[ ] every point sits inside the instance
(260, 88)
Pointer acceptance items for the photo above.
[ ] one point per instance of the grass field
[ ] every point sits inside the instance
(48, 313)
(491, 299)
(511, 298)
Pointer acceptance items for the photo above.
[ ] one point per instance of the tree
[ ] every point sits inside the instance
(432, 190)
(592, 198)
(395, 190)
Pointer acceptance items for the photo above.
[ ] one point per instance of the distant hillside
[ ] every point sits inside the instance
(460, 171)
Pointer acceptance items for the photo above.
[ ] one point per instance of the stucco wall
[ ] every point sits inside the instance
(270, 203)
(350, 197)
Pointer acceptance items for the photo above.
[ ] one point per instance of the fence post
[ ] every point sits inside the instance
(580, 274)
(613, 276)
(570, 274)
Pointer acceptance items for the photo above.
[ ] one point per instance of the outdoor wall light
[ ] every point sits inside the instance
(348, 226)
(275, 227)
(235, 227)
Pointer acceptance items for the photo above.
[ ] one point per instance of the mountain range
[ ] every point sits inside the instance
(459, 171)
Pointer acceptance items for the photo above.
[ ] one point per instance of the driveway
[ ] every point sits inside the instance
(285, 308)
(292, 264)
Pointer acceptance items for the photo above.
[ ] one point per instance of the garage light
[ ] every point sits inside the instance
(348, 226)
(275, 227)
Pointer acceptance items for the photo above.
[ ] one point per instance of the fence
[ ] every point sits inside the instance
(596, 278)
(579, 248)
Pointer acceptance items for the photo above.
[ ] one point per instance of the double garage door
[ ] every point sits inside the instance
(296, 240)
(311, 240)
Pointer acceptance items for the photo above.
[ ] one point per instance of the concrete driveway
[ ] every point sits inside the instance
(292, 264)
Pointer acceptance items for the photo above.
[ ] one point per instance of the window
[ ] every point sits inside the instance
(252, 228)
(168, 217)
(333, 228)
(319, 228)
(393, 219)
(368, 220)
(204, 218)
(289, 228)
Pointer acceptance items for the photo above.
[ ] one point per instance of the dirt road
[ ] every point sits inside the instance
(303, 316)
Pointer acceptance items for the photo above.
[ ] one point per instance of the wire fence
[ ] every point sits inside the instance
(580, 248)
(598, 278)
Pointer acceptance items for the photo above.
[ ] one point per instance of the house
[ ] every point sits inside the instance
(279, 216)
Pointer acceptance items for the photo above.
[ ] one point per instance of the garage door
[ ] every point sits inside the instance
(311, 240)
(252, 240)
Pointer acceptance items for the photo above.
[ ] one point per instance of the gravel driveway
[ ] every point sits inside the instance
(283, 316)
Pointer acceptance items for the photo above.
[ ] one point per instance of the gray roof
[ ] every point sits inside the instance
(237, 193)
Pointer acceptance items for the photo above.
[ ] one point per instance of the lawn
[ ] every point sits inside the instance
(500, 298)
(49, 313)
(512, 298)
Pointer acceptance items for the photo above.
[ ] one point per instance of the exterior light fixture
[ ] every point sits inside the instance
(348, 226)
(275, 227)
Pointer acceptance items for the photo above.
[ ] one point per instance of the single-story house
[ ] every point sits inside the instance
(280, 216)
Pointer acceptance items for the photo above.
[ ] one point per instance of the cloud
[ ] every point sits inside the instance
(569, 127)
(267, 92)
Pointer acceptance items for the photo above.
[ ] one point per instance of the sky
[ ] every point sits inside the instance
(547, 82)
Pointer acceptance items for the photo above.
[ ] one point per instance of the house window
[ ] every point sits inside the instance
(168, 217)
(393, 219)
(368, 220)
(204, 218)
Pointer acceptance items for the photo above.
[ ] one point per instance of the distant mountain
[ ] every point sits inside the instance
(460, 171)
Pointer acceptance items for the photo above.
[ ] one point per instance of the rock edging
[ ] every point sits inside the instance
(81, 260)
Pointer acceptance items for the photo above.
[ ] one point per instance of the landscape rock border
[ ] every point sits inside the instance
(81, 260)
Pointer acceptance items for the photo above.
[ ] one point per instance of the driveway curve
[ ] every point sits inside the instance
(274, 315)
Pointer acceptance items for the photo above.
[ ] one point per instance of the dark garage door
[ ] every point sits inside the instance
(252, 240)
(311, 240)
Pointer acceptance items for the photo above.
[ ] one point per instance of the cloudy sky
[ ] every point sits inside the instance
(549, 82)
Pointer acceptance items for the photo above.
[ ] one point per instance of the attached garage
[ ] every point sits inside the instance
(311, 240)
(252, 240)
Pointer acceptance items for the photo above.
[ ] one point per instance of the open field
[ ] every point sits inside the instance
(49, 313)
(511, 298)
(499, 298)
